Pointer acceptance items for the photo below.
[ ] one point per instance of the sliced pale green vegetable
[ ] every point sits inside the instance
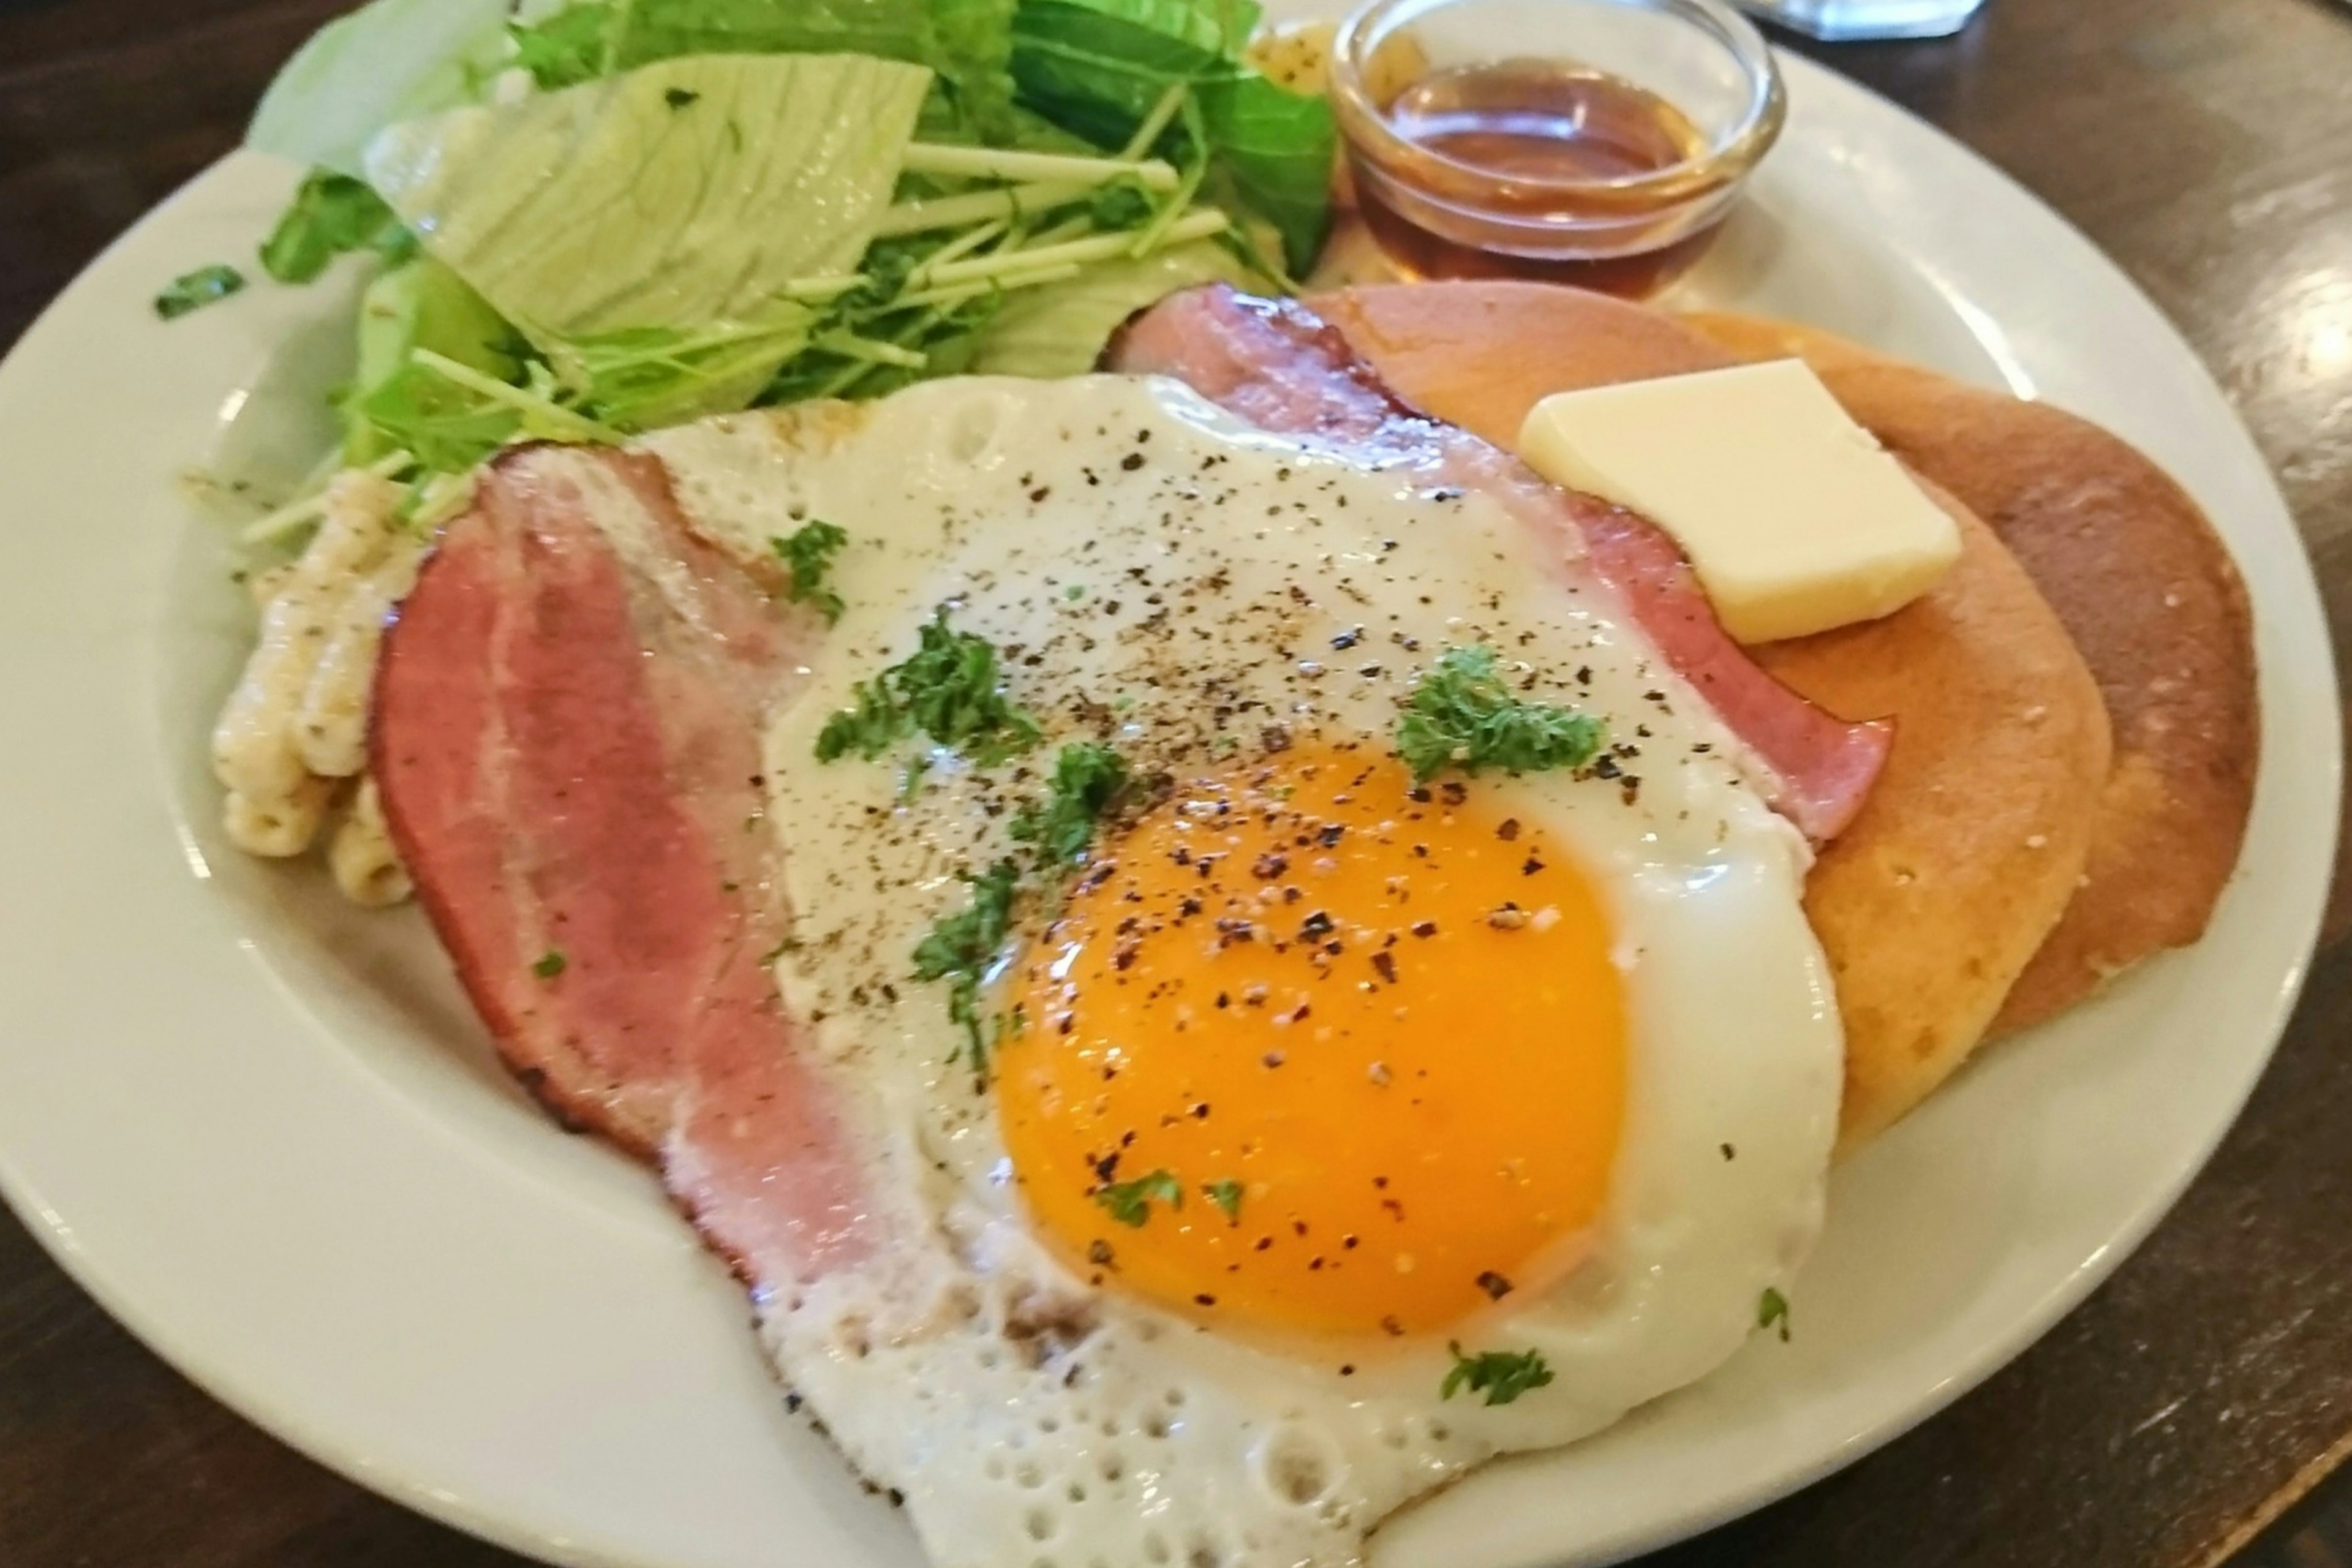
(394, 59)
(1061, 330)
(682, 193)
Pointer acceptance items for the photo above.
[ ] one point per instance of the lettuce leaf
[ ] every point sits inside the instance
(1061, 331)
(392, 60)
(680, 195)
(967, 43)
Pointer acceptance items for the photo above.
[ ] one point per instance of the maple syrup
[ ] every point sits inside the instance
(1536, 168)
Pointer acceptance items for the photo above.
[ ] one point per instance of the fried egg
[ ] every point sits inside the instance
(1322, 1132)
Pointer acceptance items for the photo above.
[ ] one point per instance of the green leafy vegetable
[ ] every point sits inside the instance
(330, 215)
(1061, 331)
(966, 42)
(425, 305)
(1501, 1376)
(950, 689)
(1772, 1310)
(192, 290)
(391, 60)
(1129, 1203)
(712, 204)
(1276, 148)
(641, 378)
(600, 208)
(963, 947)
(566, 48)
(1462, 715)
(1087, 780)
(1227, 1195)
(1104, 67)
(445, 427)
(809, 551)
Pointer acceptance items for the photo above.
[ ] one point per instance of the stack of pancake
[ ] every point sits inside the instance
(2076, 720)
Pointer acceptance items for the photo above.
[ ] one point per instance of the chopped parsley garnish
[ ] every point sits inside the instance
(963, 947)
(809, 553)
(202, 287)
(1501, 1376)
(1129, 1203)
(1462, 715)
(550, 965)
(948, 689)
(1772, 1309)
(1087, 780)
(1227, 1195)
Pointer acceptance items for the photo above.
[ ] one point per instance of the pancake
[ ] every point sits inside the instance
(1963, 860)
(2150, 597)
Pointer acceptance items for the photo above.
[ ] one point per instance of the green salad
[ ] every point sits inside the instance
(597, 217)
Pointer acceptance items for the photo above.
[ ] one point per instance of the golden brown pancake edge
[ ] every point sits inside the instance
(1965, 858)
(2150, 596)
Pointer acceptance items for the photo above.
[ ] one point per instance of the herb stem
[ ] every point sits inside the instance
(965, 243)
(956, 293)
(1154, 234)
(850, 345)
(973, 207)
(1001, 163)
(310, 507)
(580, 424)
(1070, 228)
(1197, 225)
(1157, 120)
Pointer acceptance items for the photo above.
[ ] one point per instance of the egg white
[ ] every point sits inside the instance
(1026, 1417)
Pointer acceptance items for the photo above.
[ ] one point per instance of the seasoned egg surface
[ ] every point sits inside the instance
(1301, 1131)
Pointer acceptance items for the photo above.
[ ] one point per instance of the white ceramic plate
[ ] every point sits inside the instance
(264, 1131)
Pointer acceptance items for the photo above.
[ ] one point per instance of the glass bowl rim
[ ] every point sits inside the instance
(1728, 158)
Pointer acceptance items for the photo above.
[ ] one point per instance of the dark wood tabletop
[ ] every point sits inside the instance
(2191, 1412)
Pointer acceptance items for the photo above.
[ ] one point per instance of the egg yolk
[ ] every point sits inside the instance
(1311, 1049)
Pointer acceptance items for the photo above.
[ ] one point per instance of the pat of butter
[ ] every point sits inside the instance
(1793, 517)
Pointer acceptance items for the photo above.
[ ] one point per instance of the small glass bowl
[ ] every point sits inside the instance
(1629, 233)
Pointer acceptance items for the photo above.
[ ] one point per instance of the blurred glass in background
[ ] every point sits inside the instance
(1839, 20)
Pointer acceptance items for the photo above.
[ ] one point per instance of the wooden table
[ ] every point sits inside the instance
(2207, 146)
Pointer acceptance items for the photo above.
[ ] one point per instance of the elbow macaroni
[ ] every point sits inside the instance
(366, 866)
(330, 726)
(295, 729)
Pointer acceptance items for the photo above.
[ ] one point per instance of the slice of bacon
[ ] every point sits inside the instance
(1278, 365)
(568, 718)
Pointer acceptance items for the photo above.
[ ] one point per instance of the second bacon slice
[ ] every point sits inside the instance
(1278, 365)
